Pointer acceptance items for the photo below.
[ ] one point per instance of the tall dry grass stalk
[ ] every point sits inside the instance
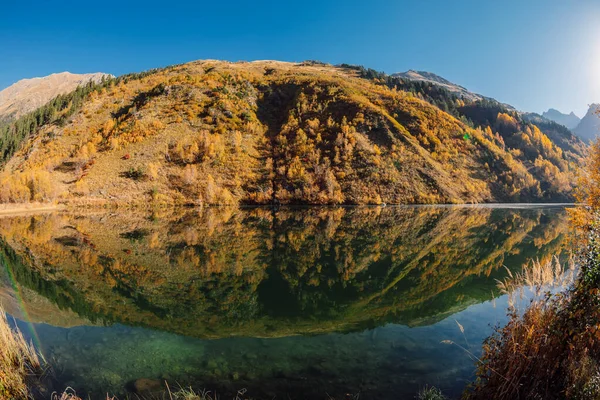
(68, 394)
(20, 363)
(550, 349)
(537, 278)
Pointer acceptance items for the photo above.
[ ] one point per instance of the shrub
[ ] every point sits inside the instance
(153, 171)
(189, 176)
(135, 173)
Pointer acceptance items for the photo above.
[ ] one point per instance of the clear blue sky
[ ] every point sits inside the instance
(533, 54)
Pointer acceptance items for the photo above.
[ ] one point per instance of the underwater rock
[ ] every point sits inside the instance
(147, 386)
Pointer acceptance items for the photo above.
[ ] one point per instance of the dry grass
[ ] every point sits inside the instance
(68, 394)
(20, 365)
(551, 350)
(190, 394)
(511, 367)
(181, 394)
(430, 393)
(537, 278)
(522, 359)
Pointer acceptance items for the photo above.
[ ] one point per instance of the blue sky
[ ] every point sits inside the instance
(533, 54)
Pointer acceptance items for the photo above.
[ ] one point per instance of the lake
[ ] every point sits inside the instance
(287, 303)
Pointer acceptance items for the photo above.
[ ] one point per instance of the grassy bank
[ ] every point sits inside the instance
(552, 349)
(21, 368)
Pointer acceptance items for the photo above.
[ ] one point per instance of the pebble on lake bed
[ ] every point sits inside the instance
(147, 386)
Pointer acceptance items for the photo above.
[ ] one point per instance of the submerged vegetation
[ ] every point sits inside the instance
(25, 375)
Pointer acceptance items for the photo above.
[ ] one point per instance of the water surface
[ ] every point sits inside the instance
(294, 302)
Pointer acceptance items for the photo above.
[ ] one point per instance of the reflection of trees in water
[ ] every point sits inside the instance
(263, 272)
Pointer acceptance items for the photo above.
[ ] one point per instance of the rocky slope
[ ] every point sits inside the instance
(29, 94)
(211, 132)
(425, 76)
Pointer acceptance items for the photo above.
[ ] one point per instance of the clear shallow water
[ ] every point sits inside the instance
(304, 302)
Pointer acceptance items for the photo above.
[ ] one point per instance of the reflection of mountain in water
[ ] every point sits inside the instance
(259, 272)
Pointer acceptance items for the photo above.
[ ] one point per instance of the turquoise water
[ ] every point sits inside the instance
(298, 303)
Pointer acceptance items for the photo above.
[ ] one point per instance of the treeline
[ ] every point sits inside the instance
(58, 111)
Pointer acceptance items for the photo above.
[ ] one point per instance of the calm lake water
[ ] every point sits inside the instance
(288, 303)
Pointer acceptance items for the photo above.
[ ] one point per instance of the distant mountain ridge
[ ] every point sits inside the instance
(29, 94)
(552, 120)
(589, 127)
(569, 120)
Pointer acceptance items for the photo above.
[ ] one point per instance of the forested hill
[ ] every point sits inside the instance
(267, 132)
(473, 109)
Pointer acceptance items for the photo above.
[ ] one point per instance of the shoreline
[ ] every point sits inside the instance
(25, 208)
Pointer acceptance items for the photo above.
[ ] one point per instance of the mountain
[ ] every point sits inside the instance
(268, 132)
(589, 127)
(569, 120)
(450, 96)
(29, 94)
(425, 76)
